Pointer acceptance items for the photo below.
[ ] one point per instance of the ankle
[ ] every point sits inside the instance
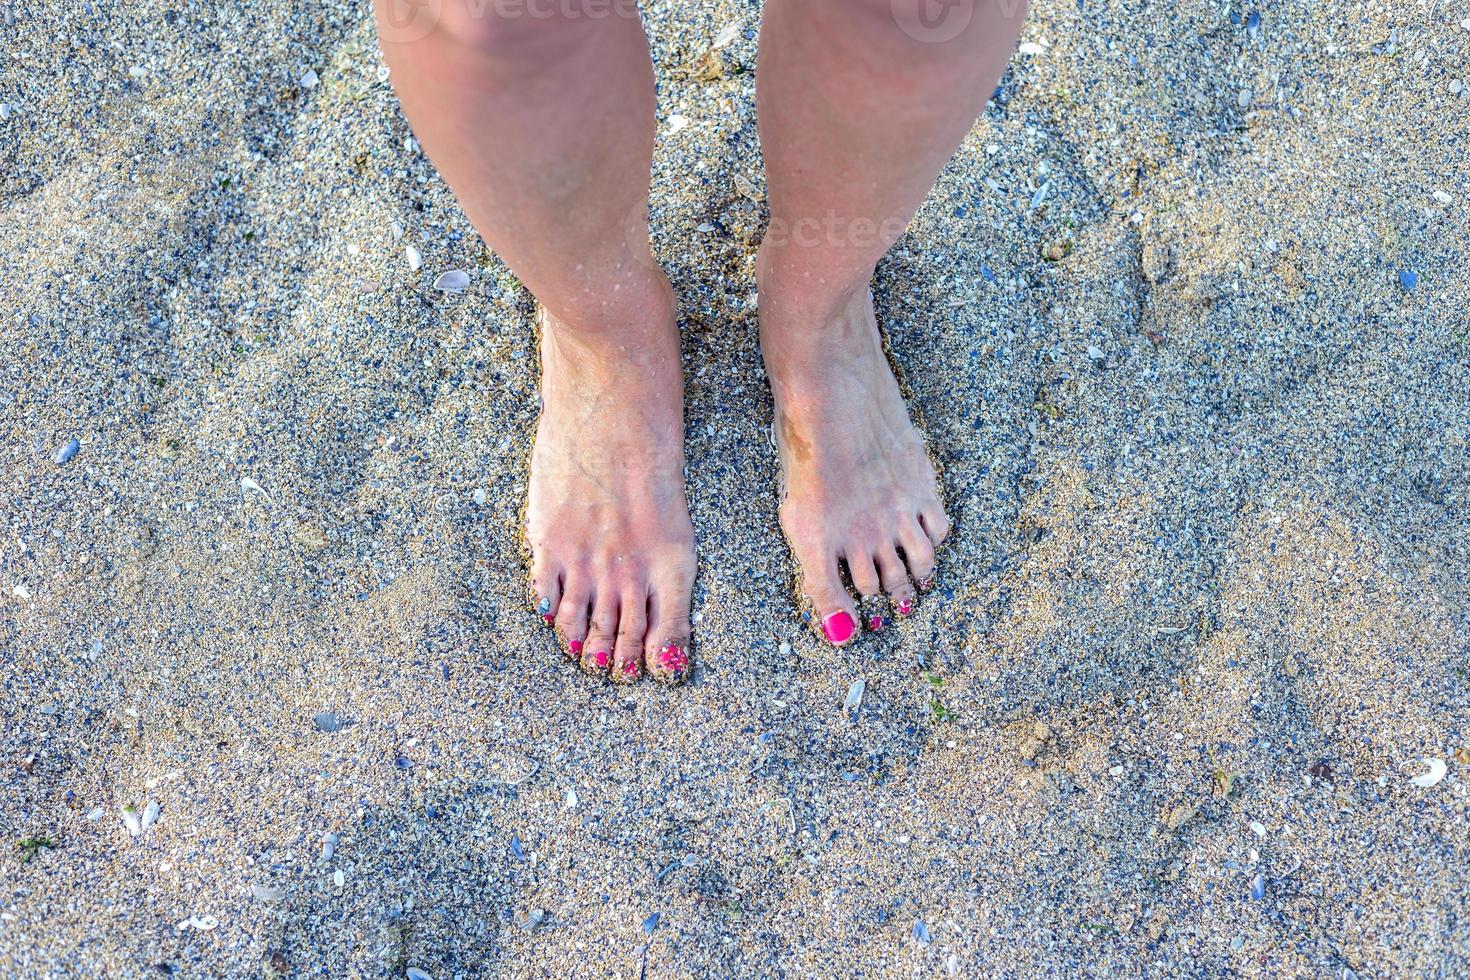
(618, 309)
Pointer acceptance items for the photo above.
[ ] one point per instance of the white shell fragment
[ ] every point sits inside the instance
(1432, 775)
(727, 35)
(677, 122)
(1443, 197)
(453, 281)
(1031, 48)
(571, 799)
(339, 877)
(131, 821)
(415, 258)
(150, 815)
(1258, 828)
(310, 80)
(266, 893)
(855, 696)
(204, 923)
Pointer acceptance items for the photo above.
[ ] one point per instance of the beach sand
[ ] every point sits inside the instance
(1205, 612)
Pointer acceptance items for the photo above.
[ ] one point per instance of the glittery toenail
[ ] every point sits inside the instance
(576, 647)
(630, 668)
(905, 607)
(600, 657)
(876, 623)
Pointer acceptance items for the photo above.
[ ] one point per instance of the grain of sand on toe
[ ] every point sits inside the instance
(1187, 320)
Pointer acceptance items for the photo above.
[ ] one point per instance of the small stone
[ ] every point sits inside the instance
(1258, 887)
(1408, 278)
(1258, 828)
(854, 697)
(677, 123)
(1244, 98)
(921, 932)
(1443, 197)
(650, 924)
(310, 80)
(534, 918)
(414, 256)
(1095, 352)
(1457, 87)
(329, 846)
(414, 973)
(328, 721)
(478, 497)
(132, 821)
(403, 762)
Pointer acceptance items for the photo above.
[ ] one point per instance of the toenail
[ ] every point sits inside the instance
(576, 647)
(926, 583)
(544, 606)
(905, 607)
(876, 623)
(673, 658)
(548, 619)
(630, 668)
(600, 658)
(838, 627)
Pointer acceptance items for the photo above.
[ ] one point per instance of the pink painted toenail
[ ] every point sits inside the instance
(876, 623)
(630, 668)
(576, 647)
(838, 627)
(600, 658)
(673, 658)
(549, 619)
(905, 607)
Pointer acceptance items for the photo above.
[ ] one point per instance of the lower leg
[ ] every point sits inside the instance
(859, 109)
(542, 124)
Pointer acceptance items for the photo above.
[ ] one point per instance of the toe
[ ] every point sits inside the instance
(835, 611)
(571, 616)
(632, 627)
(895, 580)
(598, 648)
(935, 523)
(546, 584)
(666, 647)
(918, 551)
(865, 579)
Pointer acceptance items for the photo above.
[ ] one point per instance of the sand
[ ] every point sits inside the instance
(1205, 612)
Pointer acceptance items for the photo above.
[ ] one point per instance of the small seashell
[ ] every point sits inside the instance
(1039, 196)
(453, 281)
(414, 973)
(132, 821)
(921, 932)
(97, 814)
(249, 485)
(1258, 887)
(1432, 775)
(1443, 197)
(516, 849)
(704, 228)
(676, 123)
(415, 257)
(1096, 353)
(310, 80)
(727, 35)
(67, 452)
(20, 592)
(1031, 48)
(266, 893)
(534, 918)
(571, 799)
(150, 816)
(329, 846)
(650, 924)
(855, 696)
(339, 878)
(1258, 828)
(203, 923)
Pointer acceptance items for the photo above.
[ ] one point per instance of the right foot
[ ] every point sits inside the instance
(611, 541)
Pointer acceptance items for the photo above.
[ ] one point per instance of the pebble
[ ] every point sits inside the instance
(855, 696)
(921, 932)
(1408, 279)
(415, 257)
(414, 973)
(479, 497)
(650, 924)
(5, 111)
(339, 878)
(534, 919)
(1258, 828)
(310, 80)
(329, 846)
(67, 452)
(150, 816)
(1258, 887)
(1244, 98)
(403, 762)
(327, 721)
(516, 849)
(676, 123)
(1443, 197)
(1457, 87)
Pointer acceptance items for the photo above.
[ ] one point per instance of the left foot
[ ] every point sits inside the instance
(858, 485)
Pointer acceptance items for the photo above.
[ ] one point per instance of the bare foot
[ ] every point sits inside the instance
(858, 486)
(611, 541)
